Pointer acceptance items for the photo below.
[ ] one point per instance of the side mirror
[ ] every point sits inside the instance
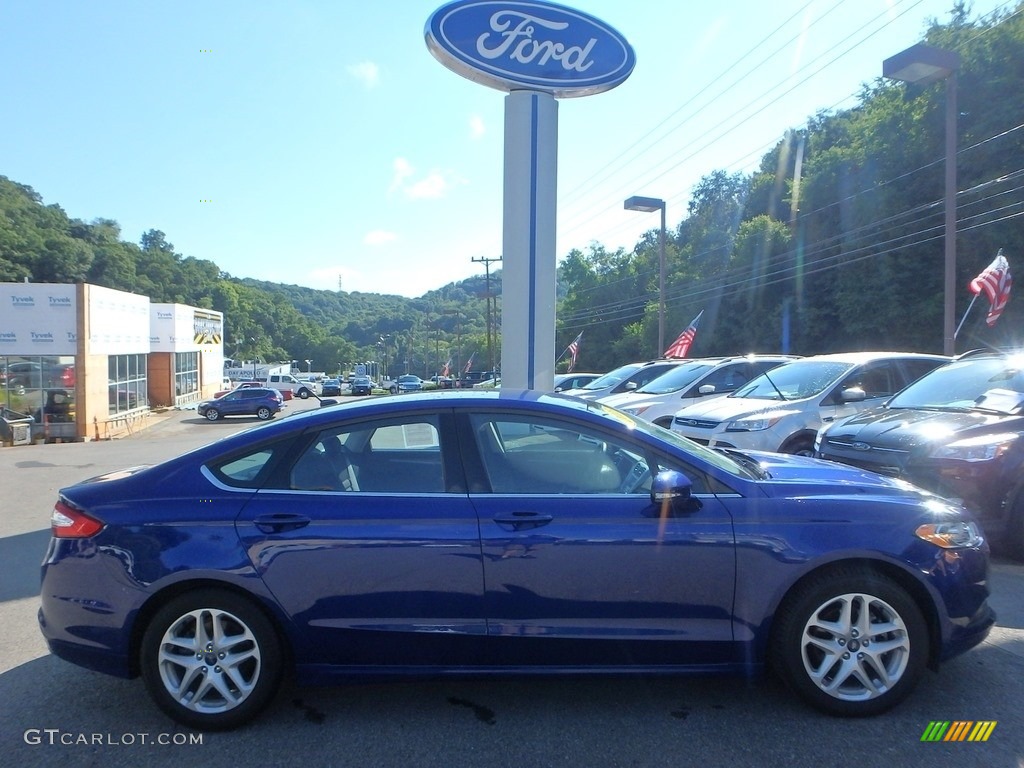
(707, 389)
(671, 494)
(852, 395)
(630, 386)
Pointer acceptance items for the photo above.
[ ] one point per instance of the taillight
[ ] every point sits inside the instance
(66, 522)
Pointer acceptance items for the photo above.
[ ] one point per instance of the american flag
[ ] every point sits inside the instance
(469, 363)
(681, 346)
(574, 351)
(447, 370)
(995, 282)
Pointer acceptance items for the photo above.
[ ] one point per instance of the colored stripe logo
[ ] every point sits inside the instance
(958, 730)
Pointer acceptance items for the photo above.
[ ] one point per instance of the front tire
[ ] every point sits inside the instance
(264, 413)
(851, 643)
(211, 660)
(304, 393)
(212, 414)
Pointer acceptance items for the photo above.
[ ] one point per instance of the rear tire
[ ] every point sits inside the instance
(850, 642)
(264, 413)
(211, 660)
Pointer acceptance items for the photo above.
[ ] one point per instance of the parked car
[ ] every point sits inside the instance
(407, 383)
(958, 431)
(502, 532)
(261, 402)
(361, 385)
(567, 381)
(699, 379)
(443, 382)
(625, 378)
(330, 388)
(285, 382)
(783, 409)
(470, 379)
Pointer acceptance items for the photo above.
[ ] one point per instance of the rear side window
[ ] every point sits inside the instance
(391, 456)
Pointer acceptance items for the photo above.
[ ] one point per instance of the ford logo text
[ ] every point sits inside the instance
(539, 46)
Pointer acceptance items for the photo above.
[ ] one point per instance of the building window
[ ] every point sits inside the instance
(126, 379)
(27, 382)
(186, 373)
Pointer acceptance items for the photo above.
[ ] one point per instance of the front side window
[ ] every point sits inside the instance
(544, 455)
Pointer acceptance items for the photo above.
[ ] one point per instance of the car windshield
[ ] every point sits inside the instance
(676, 378)
(612, 378)
(794, 381)
(960, 385)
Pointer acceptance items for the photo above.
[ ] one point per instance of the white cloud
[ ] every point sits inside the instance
(430, 188)
(402, 170)
(476, 127)
(365, 72)
(379, 237)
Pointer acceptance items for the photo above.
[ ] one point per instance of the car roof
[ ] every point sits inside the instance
(865, 357)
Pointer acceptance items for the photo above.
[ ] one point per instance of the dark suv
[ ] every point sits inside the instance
(957, 431)
(261, 402)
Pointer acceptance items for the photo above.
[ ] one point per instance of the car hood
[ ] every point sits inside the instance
(905, 428)
(801, 475)
(723, 408)
(624, 399)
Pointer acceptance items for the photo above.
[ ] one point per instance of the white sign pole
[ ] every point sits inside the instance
(528, 246)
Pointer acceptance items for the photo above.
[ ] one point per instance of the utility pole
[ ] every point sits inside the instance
(487, 266)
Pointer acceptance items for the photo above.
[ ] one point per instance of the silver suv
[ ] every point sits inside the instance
(783, 409)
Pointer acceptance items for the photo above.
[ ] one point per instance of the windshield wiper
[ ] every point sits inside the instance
(745, 461)
(781, 396)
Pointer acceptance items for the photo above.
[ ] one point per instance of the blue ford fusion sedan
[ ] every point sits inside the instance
(502, 532)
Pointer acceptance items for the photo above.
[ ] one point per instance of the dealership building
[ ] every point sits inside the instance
(86, 362)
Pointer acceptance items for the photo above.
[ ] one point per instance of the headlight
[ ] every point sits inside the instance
(756, 422)
(950, 535)
(982, 448)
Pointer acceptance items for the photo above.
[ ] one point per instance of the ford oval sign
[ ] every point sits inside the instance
(516, 45)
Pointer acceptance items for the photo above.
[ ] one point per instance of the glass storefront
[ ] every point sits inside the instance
(42, 387)
(127, 385)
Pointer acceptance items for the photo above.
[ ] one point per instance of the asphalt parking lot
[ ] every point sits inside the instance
(54, 713)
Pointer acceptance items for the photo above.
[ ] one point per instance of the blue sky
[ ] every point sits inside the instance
(318, 142)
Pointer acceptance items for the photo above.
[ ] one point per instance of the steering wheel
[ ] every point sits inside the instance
(635, 477)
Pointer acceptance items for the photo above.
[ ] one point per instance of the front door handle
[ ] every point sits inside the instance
(522, 521)
(280, 522)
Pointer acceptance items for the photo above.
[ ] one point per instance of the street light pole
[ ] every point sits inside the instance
(922, 65)
(649, 205)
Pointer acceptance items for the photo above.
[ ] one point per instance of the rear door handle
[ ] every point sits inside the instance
(522, 521)
(280, 522)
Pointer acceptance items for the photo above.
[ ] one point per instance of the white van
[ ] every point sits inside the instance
(285, 382)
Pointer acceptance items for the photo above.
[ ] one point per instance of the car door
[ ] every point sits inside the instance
(575, 552)
(878, 379)
(367, 538)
